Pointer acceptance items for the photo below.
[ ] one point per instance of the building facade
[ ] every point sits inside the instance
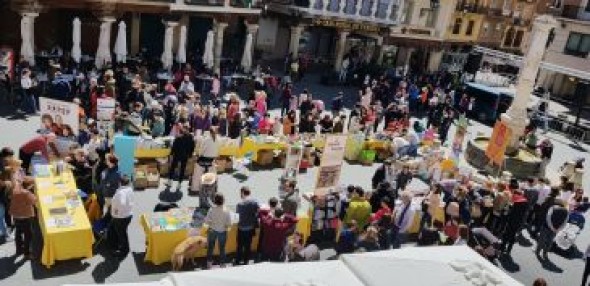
(569, 47)
(146, 21)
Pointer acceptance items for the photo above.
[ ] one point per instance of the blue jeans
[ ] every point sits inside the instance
(221, 238)
(3, 231)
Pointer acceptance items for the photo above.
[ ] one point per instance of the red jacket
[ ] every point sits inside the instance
(37, 144)
(275, 232)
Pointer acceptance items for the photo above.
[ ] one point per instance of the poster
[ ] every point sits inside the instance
(498, 141)
(292, 161)
(60, 113)
(105, 108)
(331, 164)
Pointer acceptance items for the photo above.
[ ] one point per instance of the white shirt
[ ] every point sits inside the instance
(186, 87)
(218, 219)
(26, 82)
(209, 148)
(543, 193)
(122, 203)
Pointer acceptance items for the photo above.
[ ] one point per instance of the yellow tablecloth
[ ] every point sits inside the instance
(161, 244)
(62, 243)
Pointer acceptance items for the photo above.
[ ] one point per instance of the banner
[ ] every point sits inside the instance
(498, 141)
(292, 161)
(331, 164)
(60, 113)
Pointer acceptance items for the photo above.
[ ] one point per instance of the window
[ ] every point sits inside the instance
(518, 38)
(508, 37)
(457, 26)
(470, 25)
(587, 7)
(578, 45)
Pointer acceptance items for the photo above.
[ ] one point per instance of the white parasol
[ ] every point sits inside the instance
(103, 53)
(121, 43)
(181, 54)
(167, 54)
(76, 39)
(246, 62)
(208, 53)
(26, 48)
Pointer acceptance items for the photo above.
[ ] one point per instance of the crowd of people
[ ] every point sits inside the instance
(487, 216)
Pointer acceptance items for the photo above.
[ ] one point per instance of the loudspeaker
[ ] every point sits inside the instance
(473, 62)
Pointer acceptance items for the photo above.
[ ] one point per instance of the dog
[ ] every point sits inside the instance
(187, 249)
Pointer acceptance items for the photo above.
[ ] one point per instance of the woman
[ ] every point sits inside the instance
(289, 123)
(235, 126)
(22, 209)
(109, 182)
(218, 221)
(369, 241)
(209, 149)
(68, 133)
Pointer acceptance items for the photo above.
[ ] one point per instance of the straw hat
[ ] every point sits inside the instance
(208, 179)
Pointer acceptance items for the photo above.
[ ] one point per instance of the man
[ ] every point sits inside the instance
(122, 212)
(402, 219)
(291, 200)
(383, 174)
(186, 86)
(555, 221)
(27, 85)
(531, 193)
(182, 149)
(276, 229)
(344, 70)
(247, 209)
(37, 144)
(515, 218)
(546, 150)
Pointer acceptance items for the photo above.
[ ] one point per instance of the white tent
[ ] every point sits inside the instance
(76, 39)
(444, 265)
(246, 62)
(121, 43)
(26, 32)
(103, 53)
(181, 54)
(208, 53)
(167, 54)
(326, 273)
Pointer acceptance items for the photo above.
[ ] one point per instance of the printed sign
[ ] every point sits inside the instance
(292, 161)
(331, 164)
(60, 113)
(105, 108)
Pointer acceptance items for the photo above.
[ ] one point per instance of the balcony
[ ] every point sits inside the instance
(376, 11)
(217, 6)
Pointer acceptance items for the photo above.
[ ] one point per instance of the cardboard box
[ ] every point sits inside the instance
(163, 166)
(265, 157)
(153, 177)
(190, 166)
(140, 177)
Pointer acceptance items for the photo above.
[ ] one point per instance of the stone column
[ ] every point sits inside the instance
(389, 10)
(434, 60)
(294, 42)
(219, 29)
(340, 49)
(28, 50)
(379, 50)
(357, 7)
(103, 53)
(135, 31)
(342, 7)
(516, 116)
(183, 21)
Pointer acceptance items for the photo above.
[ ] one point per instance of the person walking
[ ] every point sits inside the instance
(121, 213)
(556, 220)
(218, 220)
(109, 183)
(247, 209)
(27, 85)
(182, 149)
(22, 209)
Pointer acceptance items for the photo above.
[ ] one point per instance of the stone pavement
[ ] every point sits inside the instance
(15, 129)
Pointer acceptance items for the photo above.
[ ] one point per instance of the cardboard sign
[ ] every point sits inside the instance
(59, 112)
(498, 142)
(331, 164)
(105, 108)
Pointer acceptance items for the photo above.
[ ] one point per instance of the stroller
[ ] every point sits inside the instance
(566, 238)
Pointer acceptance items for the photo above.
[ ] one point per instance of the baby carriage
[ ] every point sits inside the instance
(566, 238)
